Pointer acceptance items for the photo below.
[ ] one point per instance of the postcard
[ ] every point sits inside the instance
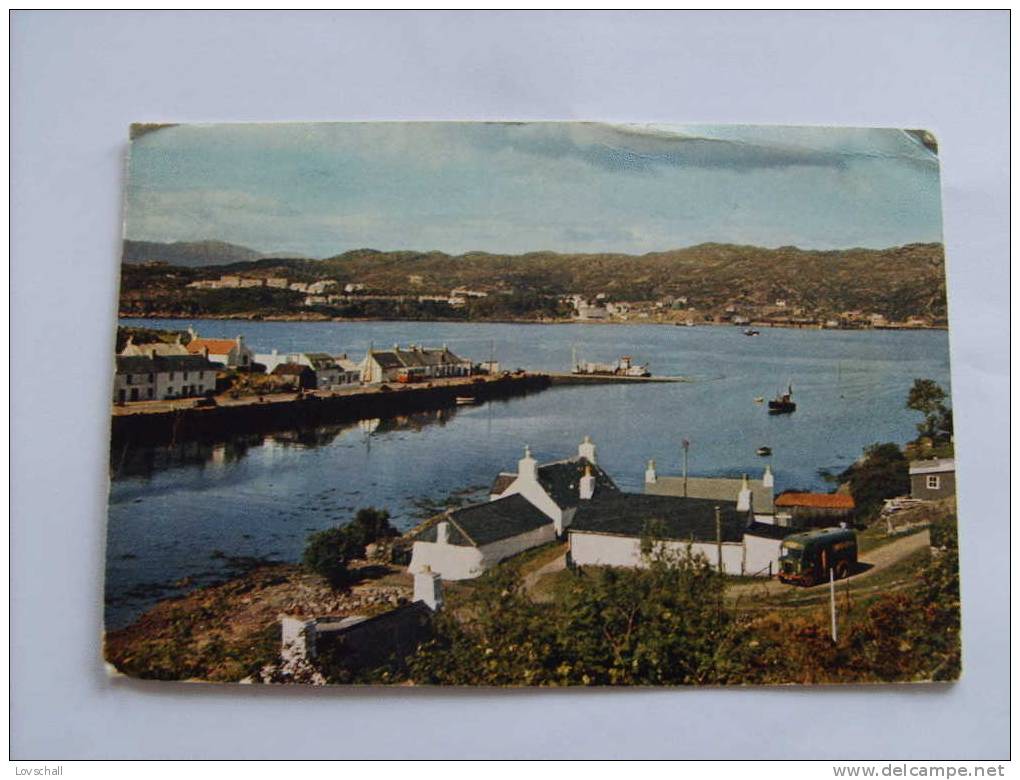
(532, 404)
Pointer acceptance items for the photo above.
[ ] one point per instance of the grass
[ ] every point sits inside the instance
(875, 536)
(903, 574)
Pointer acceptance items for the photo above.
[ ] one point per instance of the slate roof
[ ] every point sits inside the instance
(320, 360)
(769, 531)
(715, 488)
(482, 524)
(387, 360)
(627, 514)
(417, 357)
(562, 480)
(291, 369)
(816, 500)
(140, 364)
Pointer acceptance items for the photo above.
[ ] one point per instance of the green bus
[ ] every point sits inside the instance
(805, 559)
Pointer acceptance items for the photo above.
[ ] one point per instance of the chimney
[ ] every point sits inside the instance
(428, 588)
(766, 478)
(587, 484)
(442, 532)
(650, 476)
(527, 467)
(744, 496)
(297, 638)
(587, 450)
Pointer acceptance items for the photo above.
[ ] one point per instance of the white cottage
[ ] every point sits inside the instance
(533, 506)
(762, 491)
(609, 532)
(233, 353)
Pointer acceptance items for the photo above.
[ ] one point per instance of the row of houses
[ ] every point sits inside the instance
(731, 521)
(167, 370)
(738, 525)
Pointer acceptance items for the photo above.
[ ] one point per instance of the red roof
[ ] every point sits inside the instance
(816, 500)
(215, 346)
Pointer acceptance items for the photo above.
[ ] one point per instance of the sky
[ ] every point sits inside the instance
(322, 189)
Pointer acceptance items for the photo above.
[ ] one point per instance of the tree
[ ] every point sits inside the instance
(926, 397)
(371, 525)
(328, 553)
(882, 473)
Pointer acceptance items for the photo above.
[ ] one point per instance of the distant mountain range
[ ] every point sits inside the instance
(191, 254)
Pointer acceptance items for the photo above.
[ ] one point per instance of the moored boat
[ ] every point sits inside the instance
(783, 403)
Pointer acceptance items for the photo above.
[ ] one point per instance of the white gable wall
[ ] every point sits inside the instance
(761, 551)
(538, 498)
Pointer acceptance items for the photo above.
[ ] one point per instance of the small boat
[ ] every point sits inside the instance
(759, 399)
(751, 332)
(783, 403)
(764, 451)
(466, 400)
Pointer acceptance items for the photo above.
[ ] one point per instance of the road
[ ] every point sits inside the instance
(878, 560)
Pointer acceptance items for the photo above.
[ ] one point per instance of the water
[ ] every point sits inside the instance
(178, 515)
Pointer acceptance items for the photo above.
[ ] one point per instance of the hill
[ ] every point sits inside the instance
(713, 279)
(187, 254)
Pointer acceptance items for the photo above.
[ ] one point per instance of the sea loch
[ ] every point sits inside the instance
(262, 496)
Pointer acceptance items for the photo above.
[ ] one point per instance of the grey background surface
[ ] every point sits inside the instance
(79, 79)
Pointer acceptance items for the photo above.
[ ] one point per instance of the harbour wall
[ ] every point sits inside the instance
(221, 422)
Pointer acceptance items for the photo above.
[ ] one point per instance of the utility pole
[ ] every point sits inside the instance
(832, 602)
(687, 445)
(718, 537)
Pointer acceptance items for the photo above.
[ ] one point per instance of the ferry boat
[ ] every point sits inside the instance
(625, 366)
(466, 400)
(783, 403)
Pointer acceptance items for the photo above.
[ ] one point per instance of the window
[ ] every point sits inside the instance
(185, 375)
(171, 376)
(934, 482)
(150, 392)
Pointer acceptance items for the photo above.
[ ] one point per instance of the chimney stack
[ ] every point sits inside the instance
(428, 588)
(744, 496)
(527, 467)
(587, 487)
(442, 532)
(651, 477)
(766, 478)
(587, 450)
